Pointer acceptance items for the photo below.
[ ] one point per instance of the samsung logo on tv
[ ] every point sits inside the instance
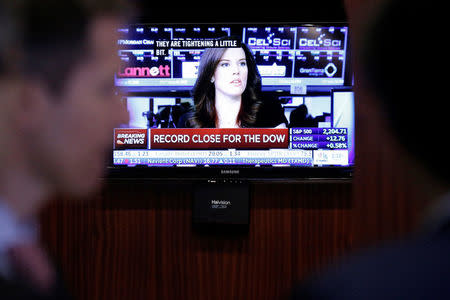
(229, 171)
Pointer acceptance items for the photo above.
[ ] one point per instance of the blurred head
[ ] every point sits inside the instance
(9, 71)
(402, 67)
(9, 30)
(232, 72)
(67, 109)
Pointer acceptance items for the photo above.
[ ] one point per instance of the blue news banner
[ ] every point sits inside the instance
(318, 138)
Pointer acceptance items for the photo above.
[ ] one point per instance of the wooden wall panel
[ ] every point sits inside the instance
(135, 241)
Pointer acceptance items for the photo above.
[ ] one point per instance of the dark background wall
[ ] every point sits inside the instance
(134, 240)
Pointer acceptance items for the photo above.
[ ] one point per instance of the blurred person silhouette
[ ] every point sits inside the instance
(416, 266)
(57, 112)
(301, 118)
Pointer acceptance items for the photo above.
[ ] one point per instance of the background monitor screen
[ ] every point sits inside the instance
(289, 97)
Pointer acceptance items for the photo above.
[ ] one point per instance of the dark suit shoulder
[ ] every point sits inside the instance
(413, 269)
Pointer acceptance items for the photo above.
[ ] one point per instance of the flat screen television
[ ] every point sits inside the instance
(240, 101)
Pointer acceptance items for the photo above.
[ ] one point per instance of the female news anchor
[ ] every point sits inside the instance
(227, 93)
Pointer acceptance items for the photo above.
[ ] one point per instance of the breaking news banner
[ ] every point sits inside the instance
(213, 138)
(130, 139)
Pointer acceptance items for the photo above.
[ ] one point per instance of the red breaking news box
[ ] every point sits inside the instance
(130, 138)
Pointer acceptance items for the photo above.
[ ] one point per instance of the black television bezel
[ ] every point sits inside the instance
(246, 173)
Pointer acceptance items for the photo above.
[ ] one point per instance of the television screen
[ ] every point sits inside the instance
(235, 96)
